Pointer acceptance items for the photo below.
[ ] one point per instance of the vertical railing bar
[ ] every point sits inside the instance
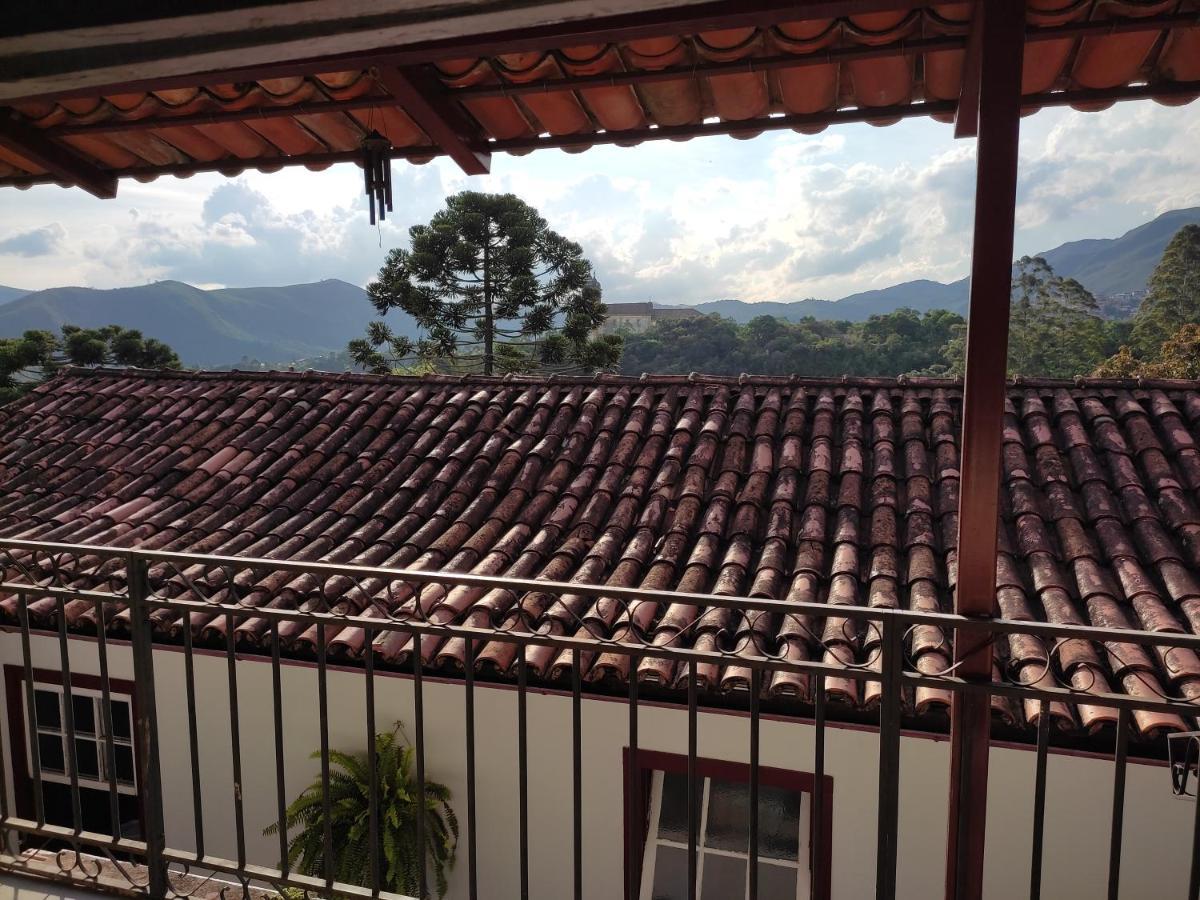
(577, 772)
(692, 781)
(145, 721)
(235, 740)
(1039, 802)
(280, 772)
(889, 759)
(64, 653)
(189, 678)
(755, 689)
(323, 720)
(817, 827)
(373, 799)
(419, 753)
(110, 752)
(523, 767)
(5, 846)
(1118, 813)
(35, 756)
(633, 839)
(472, 861)
(1194, 881)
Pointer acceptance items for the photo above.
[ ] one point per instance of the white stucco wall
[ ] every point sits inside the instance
(1157, 825)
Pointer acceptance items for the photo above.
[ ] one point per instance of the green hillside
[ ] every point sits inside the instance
(210, 328)
(1124, 264)
(8, 294)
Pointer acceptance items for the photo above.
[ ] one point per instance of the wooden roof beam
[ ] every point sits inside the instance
(425, 100)
(966, 117)
(29, 142)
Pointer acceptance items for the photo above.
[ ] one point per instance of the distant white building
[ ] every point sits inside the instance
(626, 318)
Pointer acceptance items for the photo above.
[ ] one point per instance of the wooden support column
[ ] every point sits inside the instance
(1000, 42)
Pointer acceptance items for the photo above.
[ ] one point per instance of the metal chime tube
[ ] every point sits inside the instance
(377, 174)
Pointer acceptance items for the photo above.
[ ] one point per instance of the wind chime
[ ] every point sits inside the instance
(377, 171)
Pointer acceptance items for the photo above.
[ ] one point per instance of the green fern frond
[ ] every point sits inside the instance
(349, 792)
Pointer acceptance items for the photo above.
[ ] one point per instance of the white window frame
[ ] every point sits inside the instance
(653, 842)
(99, 738)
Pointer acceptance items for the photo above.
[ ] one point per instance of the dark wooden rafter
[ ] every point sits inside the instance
(247, 114)
(235, 165)
(701, 17)
(687, 19)
(425, 99)
(64, 164)
(1001, 50)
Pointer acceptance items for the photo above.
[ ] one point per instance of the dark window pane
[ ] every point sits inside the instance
(86, 758)
(85, 715)
(778, 820)
(776, 882)
(729, 816)
(120, 719)
(673, 819)
(670, 873)
(46, 704)
(124, 763)
(779, 823)
(50, 749)
(724, 878)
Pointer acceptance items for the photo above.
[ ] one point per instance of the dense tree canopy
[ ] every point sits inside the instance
(1173, 299)
(1055, 332)
(902, 341)
(494, 289)
(34, 356)
(1177, 357)
(1165, 337)
(1055, 328)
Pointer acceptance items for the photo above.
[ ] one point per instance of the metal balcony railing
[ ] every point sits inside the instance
(134, 593)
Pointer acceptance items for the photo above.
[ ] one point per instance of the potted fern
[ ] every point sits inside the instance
(349, 806)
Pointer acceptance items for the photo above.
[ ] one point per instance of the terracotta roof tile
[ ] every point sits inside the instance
(805, 491)
(560, 95)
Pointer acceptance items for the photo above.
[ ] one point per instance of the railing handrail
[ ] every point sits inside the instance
(877, 656)
(908, 617)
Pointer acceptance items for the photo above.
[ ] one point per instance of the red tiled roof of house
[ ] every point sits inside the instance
(836, 491)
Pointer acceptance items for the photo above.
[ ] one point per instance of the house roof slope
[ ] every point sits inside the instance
(841, 492)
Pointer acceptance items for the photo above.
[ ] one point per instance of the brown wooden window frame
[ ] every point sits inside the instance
(649, 762)
(22, 777)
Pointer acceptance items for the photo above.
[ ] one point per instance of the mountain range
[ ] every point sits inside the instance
(1108, 267)
(213, 327)
(278, 324)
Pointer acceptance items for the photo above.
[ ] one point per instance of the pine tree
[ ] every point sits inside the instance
(494, 289)
(34, 356)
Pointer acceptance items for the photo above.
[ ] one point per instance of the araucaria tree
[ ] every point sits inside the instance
(34, 356)
(494, 289)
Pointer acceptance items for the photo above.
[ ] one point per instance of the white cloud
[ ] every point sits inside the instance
(36, 242)
(781, 217)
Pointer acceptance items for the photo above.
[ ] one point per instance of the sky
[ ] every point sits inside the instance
(781, 217)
